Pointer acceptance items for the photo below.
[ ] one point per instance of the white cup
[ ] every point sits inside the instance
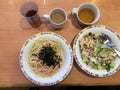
(60, 21)
(90, 6)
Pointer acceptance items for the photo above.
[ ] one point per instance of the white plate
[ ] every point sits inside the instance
(61, 74)
(76, 51)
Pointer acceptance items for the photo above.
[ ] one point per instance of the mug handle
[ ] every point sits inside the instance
(47, 17)
(74, 10)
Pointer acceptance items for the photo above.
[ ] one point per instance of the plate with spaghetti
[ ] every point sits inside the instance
(46, 58)
(92, 55)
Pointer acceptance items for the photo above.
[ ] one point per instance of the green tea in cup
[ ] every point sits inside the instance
(86, 15)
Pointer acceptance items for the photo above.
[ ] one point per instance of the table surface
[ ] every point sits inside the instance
(15, 30)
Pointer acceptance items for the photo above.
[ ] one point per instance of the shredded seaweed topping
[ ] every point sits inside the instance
(49, 56)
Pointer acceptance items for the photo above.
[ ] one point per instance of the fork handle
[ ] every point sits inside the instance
(118, 52)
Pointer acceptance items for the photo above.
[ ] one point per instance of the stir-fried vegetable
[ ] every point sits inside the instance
(95, 54)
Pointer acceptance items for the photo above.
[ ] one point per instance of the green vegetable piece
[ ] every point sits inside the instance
(84, 59)
(108, 67)
(95, 66)
(112, 64)
(100, 67)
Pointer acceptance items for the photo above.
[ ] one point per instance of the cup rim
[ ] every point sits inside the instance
(61, 10)
(27, 2)
(98, 13)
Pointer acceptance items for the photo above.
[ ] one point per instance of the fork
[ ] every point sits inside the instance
(107, 41)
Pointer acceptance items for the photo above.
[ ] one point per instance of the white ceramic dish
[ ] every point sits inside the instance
(61, 74)
(76, 51)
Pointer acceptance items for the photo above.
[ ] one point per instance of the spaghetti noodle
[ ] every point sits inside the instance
(45, 57)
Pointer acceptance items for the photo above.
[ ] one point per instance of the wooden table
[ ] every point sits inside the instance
(15, 30)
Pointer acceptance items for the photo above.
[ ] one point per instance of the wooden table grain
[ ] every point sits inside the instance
(15, 30)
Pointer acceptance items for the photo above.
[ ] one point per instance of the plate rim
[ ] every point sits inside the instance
(67, 71)
(75, 56)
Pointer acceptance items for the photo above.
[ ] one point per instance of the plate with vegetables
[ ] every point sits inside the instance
(46, 58)
(92, 55)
